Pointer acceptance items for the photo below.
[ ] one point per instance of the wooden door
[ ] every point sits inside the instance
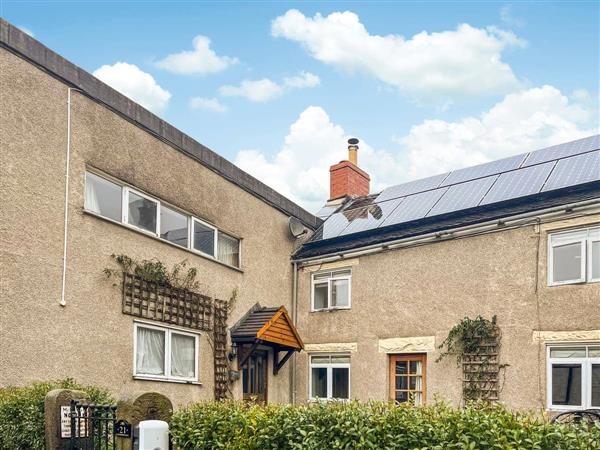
(408, 378)
(254, 377)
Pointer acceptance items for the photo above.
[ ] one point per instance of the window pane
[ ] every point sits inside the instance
(228, 249)
(320, 295)
(401, 367)
(340, 359)
(322, 276)
(596, 260)
(183, 356)
(341, 273)
(340, 294)
(596, 385)
(319, 359)
(319, 382)
(401, 382)
(341, 383)
(173, 226)
(594, 352)
(102, 196)
(142, 212)
(401, 397)
(566, 384)
(567, 262)
(204, 238)
(150, 357)
(567, 352)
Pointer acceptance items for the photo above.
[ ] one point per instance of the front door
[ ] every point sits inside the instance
(407, 378)
(254, 377)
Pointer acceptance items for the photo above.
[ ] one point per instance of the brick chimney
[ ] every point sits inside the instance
(346, 178)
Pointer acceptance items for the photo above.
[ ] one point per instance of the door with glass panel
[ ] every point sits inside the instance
(407, 378)
(254, 377)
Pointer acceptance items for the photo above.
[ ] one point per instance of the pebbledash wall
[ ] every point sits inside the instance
(406, 301)
(90, 339)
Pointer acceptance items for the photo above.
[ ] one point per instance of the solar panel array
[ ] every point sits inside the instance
(544, 170)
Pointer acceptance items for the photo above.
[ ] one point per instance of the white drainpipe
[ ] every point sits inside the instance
(63, 301)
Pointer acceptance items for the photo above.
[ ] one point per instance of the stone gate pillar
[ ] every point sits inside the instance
(57, 403)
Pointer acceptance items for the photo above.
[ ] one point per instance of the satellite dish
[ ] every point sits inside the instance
(297, 228)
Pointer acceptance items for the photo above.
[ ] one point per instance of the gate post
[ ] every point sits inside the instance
(58, 427)
(142, 406)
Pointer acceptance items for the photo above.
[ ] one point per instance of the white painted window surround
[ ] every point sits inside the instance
(331, 290)
(573, 376)
(164, 353)
(574, 256)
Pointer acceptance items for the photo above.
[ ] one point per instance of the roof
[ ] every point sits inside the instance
(541, 179)
(270, 325)
(23, 45)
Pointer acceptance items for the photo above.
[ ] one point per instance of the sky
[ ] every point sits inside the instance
(279, 87)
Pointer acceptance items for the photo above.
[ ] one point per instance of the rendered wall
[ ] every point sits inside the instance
(90, 339)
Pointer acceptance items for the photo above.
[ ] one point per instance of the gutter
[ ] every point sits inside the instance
(541, 216)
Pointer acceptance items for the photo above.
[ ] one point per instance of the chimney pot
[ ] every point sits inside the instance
(353, 151)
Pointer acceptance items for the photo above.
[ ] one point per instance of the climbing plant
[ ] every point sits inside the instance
(475, 343)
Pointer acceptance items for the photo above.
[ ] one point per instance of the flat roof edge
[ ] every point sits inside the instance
(20, 43)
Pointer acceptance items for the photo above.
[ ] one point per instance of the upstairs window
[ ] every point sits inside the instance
(330, 377)
(102, 197)
(135, 209)
(574, 377)
(331, 290)
(574, 256)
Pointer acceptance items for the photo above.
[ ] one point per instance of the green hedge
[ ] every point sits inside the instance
(231, 425)
(22, 412)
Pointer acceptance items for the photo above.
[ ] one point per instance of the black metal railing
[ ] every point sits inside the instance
(92, 426)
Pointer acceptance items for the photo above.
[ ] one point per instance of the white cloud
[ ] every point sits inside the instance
(135, 84)
(265, 90)
(465, 61)
(507, 17)
(521, 122)
(26, 30)
(210, 104)
(201, 60)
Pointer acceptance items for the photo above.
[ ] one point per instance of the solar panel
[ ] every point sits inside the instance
(563, 150)
(412, 187)
(369, 217)
(574, 170)
(326, 211)
(463, 195)
(519, 183)
(484, 170)
(414, 207)
(332, 227)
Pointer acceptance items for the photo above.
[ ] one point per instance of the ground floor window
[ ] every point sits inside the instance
(574, 377)
(329, 376)
(407, 378)
(165, 353)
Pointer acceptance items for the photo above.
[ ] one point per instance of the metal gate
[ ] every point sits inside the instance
(92, 426)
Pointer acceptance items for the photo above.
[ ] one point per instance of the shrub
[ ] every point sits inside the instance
(375, 425)
(22, 412)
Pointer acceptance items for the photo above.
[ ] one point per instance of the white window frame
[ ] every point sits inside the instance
(215, 238)
(586, 375)
(124, 220)
(167, 363)
(126, 191)
(329, 366)
(329, 282)
(586, 255)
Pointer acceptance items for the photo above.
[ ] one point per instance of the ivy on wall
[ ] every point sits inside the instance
(475, 343)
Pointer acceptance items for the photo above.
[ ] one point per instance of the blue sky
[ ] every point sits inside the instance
(427, 86)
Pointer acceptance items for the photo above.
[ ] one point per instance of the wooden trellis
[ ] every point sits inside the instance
(151, 300)
(481, 371)
(220, 350)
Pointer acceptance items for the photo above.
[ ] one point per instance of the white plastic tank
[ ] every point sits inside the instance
(153, 435)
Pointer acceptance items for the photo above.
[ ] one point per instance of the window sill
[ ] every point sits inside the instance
(165, 380)
(348, 308)
(156, 238)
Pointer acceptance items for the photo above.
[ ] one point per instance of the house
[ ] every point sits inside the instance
(352, 302)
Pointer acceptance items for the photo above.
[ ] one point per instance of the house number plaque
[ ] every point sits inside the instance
(123, 429)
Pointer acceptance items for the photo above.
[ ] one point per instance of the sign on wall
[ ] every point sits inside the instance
(65, 423)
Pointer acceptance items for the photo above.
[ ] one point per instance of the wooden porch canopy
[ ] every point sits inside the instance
(271, 327)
